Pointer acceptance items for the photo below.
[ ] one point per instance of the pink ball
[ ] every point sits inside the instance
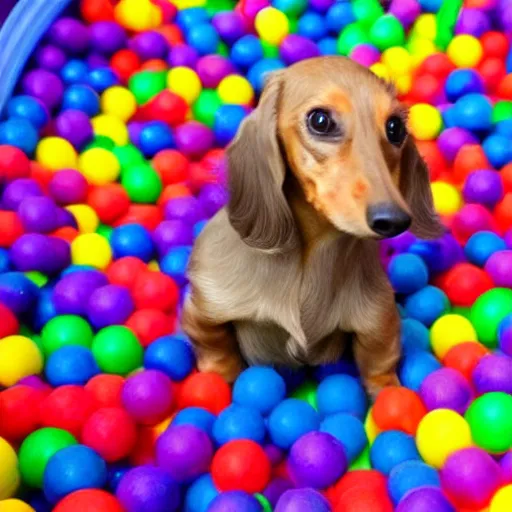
(470, 219)
(365, 54)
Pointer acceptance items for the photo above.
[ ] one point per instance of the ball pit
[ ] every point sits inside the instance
(112, 160)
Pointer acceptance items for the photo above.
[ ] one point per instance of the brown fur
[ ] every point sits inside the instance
(290, 267)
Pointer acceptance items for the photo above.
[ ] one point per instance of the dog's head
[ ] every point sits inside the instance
(343, 134)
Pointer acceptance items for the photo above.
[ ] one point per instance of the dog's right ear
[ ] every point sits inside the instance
(257, 207)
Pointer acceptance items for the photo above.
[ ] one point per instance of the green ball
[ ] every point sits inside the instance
(117, 350)
(142, 183)
(367, 11)
(37, 449)
(293, 8)
(128, 156)
(462, 311)
(101, 141)
(363, 461)
(387, 32)
(265, 504)
(223, 49)
(307, 392)
(502, 111)
(145, 85)
(105, 231)
(64, 330)
(487, 313)
(293, 24)
(351, 36)
(490, 420)
(37, 278)
(206, 106)
(270, 51)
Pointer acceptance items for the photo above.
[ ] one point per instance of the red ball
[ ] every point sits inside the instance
(492, 70)
(504, 90)
(495, 44)
(125, 63)
(367, 481)
(172, 34)
(503, 213)
(42, 175)
(426, 89)
(12, 228)
(66, 233)
(469, 158)
(111, 432)
(398, 408)
(89, 500)
(171, 165)
(19, 411)
(155, 65)
(173, 191)
(155, 290)
(207, 390)
(110, 202)
(168, 107)
(147, 215)
(201, 175)
(356, 501)
(13, 163)
(506, 177)
(464, 357)
(106, 390)
(67, 407)
(125, 271)
(438, 65)
(144, 451)
(433, 158)
(96, 10)
(241, 465)
(150, 324)
(8, 322)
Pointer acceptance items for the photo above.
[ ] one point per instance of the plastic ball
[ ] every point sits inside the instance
(19, 357)
(9, 472)
(235, 500)
(341, 393)
(185, 83)
(30, 109)
(423, 498)
(497, 149)
(238, 422)
(91, 249)
(484, 187)
(407, 273)
(410, 475)
(207, 390)
(200, 494)
(498, 268)
(482, 245)
(415, 367)
(70, 364)
(390, 449)
(142, 183)
(55, 153)
(89, 500)
(293, 499)
(132, 240)
(271, 25)
(427, 305)
(172, 355)
(106, 390)
(15, 505)
(447, 199)
(349, 431)
(449, 331)
(465, 51)
(99, 166)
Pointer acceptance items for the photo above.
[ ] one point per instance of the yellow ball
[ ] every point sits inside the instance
(99, 166)
(138, 15)
(111, 127)
(397, 60)
(15, 506)
(448, 331)
(235, 90)
(441, 433)
(420, 48)
(380, 70)
(403, 84)
(55, 153)
(185, 83)
(425, 121)
(502, 500)
(371, 428)
(447, 199)
(465, 51)
(272, 25)
(91, 249)
(19, 358)
(9, 473)
(425, 26)
(154, 266)
(86, 218)
(187, 4)
(119, 102)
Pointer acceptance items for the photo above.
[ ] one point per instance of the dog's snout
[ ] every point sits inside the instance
(387, 219)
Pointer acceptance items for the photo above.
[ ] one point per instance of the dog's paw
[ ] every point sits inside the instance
(375, 384)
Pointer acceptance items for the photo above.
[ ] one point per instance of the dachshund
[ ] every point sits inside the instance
(288, 272)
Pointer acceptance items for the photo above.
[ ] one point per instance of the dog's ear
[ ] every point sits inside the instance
(257, 207)
(415, 187)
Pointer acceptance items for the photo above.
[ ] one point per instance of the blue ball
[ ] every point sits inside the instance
(407, 273)
(78, 268)
(439, 255)
(339, 15)
(132, 240)
(20, 133)
(203, 38)
(260, 388)
(172, 355)
(341, 393)
(463, 81)
(498, 150)
(115, 474)
(427, 305)
(312, 26)
(71, 469)
(482, 245)
(345, 365)
(45, 309)
(30, 109)
(198, 227)
(410, 475)
(5, 263)
(246, 51)
(175, 262)
(101, 79)
(348, 430)
(196, 416)
(235, 500)
(188, 18)
(17, 292)
(328, 46)
(504, 128)
(290, 7)
(154, 137)
(226, 122)
(449, 116)
(414, 336)
(258, 72)
(415, 367)
(291, 419)
(473, 112)
(74, 72)
(431, 5)
(390, 449)
(238, 422)
(72, 364)
(200, 494)
(81, 97)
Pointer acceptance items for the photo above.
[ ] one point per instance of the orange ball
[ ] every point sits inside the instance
(207, 390)
(433, 158)
(155, 65)
(173, 191)
(106, 390)
(148, 215)
(398, 408)
(172, 33)
(89, 500)
(66, 233)
(470, 158)
(172, 166)
(464, 357)
(503, 213)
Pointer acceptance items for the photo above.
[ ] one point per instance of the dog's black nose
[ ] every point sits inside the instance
(387, 219)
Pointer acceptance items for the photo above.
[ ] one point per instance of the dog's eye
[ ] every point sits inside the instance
(395, 130)
(320, 122)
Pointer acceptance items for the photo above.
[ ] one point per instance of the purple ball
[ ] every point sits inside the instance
(473, 21)
(317, 460)
(70, 34)
(211, 69)
(295, 48)
(65, 218)
(452, 139)
(51, 58)
(71, 294)
(107, 37)
(406, 11)
(134, 131)
(235, 501)
(483, 187)
(38, 214)
(508, 238)
(149, 45)
(97, 60)
(68, 187)
(493, 373)
(172, 233)
(506, 467)
(275, 489)
(446, 389)
(74, 126)
(194, 139)
(321, 5)
(45, 86)
(505, 335)
(471, 477)
(185, 452)
(499, 268)
(365, 54)
(18, 190)
(183, 55)
(109, 305)
(148, 489)
(300, 500)
(212, 198)
(186, 209)
(36, 252)
(274, 454)
(425, 499)
(230, 26)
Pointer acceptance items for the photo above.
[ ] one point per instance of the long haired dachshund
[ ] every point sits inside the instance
(319, 172)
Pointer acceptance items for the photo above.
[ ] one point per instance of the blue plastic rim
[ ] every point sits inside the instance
(24, 26)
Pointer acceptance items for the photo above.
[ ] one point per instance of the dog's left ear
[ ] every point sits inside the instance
(415, 187)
